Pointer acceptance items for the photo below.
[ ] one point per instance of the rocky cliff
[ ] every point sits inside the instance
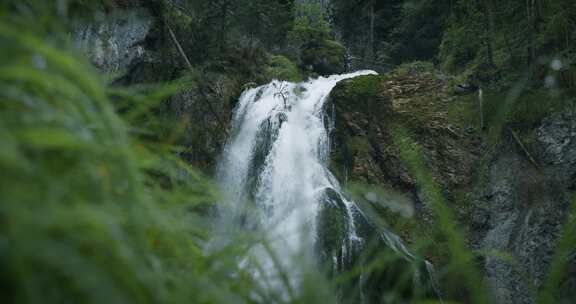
(142, 45)
(511, 198)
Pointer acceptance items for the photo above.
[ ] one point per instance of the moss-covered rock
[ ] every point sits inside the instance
(367, 112)
(332, 223)
(367, 108)
(363, 93)
(360, 108)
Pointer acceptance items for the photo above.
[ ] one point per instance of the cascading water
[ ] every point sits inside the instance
(275, 180)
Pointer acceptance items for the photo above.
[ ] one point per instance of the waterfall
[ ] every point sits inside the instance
(275, 181)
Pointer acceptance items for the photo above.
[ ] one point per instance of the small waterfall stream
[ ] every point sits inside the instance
(274, 176)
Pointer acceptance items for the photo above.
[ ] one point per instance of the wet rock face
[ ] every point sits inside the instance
(557, 138)
(332, 225)
(114, 41)
(526, 208)
(503, 218)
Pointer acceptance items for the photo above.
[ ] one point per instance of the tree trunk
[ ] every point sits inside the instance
(481, 106)
(223, 21)
(489, 34)
(371, 55)
(533, 13)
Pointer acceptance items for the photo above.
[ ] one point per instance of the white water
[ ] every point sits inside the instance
(274, 174)
(276, 159)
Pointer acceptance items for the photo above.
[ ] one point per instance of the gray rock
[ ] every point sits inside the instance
(527, 208)
(557, 139)
(115, 40)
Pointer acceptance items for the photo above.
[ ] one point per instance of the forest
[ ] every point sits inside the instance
(288, 151)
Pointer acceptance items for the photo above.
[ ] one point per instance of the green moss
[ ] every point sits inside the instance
(365, 86)
(362, 94)
(358, 144)
(463, 111)
(332, 222)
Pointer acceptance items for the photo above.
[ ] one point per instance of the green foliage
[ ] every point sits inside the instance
(93, 209)
(82, 210)
(310, 24)
(311, 40)
(516, 107)
(457, 50)
(324, 56)
(464, 36)
(491, 34)
(419, 30)
(266, 20)
(403, 30)
(220, 28)
(551, 291)
(282, 68)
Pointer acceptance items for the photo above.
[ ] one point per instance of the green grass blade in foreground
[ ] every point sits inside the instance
(462, 258)
(565, 249)
(85, 219)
